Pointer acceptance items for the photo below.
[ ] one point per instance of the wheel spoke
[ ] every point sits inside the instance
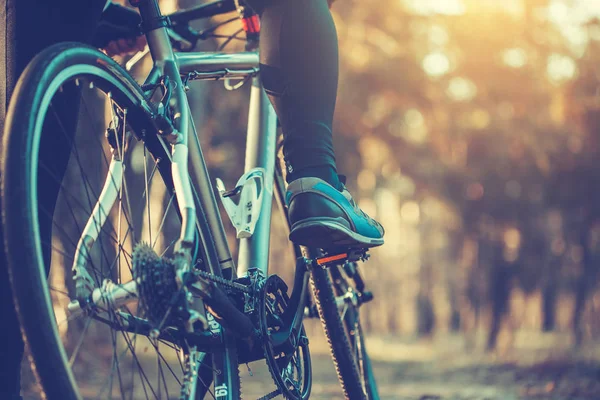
(59, 291)
(162, 223)
(80, 342)
(167, 364)
(119, 355)
(115, 357)
(145, 379)
(146, 190)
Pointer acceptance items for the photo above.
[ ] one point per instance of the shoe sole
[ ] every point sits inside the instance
(324, 234)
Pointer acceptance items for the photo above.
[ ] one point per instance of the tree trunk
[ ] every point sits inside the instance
(549, 299)
(452, 280)
(425, 316)
(584, 284)
(425, 310)
(499, 284)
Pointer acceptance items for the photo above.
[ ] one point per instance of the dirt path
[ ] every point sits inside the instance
(552, 380)
(444, 371)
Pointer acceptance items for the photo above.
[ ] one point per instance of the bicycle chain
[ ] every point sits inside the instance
(271, 395)
(223, 282)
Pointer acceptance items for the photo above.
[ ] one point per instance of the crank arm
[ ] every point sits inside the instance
(293, 316)
(224, 310)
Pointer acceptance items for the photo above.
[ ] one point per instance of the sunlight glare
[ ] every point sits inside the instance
(427, 7)
(515, 57)
(414, 129)
(436, 64)
(561, 68)
(461, 89)
(558, 12)
(570, 17)
(438, 35)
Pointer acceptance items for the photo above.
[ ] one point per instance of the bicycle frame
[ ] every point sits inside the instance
(260, 148)
(201, 209)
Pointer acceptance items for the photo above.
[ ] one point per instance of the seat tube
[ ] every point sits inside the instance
(260, 152)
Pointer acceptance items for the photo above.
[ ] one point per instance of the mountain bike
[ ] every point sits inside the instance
(120, 265)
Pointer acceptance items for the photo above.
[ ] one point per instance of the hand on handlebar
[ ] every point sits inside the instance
(122, 47)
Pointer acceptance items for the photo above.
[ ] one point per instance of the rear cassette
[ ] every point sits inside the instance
(155, 278)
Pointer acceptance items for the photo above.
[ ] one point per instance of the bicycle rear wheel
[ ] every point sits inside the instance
(78, 131)
(336, 299)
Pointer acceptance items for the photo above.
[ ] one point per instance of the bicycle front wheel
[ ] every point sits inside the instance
(86, 180)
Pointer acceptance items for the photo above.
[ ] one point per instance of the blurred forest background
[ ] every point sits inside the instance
(477, 127)
(471, 129)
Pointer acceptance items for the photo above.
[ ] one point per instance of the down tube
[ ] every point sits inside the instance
(260, 152)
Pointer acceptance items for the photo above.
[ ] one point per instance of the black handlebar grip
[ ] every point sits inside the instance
(117, 22)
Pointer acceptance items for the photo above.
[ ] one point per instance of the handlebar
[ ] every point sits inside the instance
(117, 22)
(180, 23)
(202, 11)
(120, 22)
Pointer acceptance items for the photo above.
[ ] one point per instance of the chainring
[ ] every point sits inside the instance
(291, 372)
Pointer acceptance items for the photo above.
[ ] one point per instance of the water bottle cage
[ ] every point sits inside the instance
(245, 213)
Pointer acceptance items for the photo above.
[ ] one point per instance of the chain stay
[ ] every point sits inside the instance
(190, 376)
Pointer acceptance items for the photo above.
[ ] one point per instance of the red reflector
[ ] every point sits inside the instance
(251, 24)
(325, 260)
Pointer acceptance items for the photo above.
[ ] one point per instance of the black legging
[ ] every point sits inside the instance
(299, 69)
(299, 58)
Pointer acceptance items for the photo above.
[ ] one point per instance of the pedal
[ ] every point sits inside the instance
(339, 257)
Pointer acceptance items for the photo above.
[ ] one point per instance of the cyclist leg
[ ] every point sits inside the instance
(299, 69)
(26, 28)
